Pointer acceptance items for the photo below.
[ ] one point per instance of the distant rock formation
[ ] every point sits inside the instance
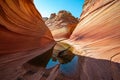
(53, 15)
(45, 18)
(61, 24)
(25, 39)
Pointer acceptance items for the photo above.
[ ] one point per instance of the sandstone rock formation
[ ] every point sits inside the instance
(97, 40)
(24, 38)
(22, 27)
(61, 24)
(23, 34)
(45, 18)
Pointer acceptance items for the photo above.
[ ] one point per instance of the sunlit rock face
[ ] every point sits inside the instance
(97, 40)
(21, 27)
(23, 36)
(61, 24)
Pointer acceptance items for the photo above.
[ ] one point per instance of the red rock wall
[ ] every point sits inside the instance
(21, 27)
(100, 28)
(23, 36)
(97, 40)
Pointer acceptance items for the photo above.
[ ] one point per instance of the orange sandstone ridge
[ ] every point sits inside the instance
(24, 36)
(22, 27)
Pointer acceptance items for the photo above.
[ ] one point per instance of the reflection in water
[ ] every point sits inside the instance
(60, 55)
(68, 63)
(70, 68)
(52, 63)
(63, 57)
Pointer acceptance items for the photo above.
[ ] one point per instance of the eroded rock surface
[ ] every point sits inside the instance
(61, 24)
(21, 27)
(23, 36)
(97, 40)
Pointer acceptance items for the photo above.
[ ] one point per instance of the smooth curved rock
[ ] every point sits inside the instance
(21, 27)
(97, 40)
(23, 36)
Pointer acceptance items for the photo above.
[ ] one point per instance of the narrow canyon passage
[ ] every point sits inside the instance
(36, 48)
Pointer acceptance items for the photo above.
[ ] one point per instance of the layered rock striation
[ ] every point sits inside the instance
(23, 34)
(22, 27)
(97, 40)
(61, 24)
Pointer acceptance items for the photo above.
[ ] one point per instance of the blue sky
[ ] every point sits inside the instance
(46, 7)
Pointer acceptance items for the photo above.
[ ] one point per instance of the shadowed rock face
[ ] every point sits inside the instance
(62, 24)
